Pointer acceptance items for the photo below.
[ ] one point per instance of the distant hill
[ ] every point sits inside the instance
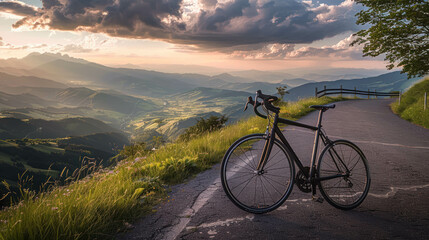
(108, 142)
(10, 101)
(230, 78)
(295, 82)
(40, 87)
(8, 80)
(198, 80)
(148, 83)
(312, 74)
(394, 81)
(130, 81)
(107, 100)
(13, 128)
(269, 88)
(262, 76)
(331, 74)
(178, 68)
(36, 59)
(40, 92)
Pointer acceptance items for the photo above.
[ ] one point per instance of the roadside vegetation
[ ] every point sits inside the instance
(103, 203)
(411, 107)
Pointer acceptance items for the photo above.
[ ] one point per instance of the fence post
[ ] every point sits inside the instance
(426, 100)
(341, 90)
(355, 92)
(315, 94)
(400, 93)
(368, 93)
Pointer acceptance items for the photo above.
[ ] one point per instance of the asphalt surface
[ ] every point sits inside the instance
(397, 206)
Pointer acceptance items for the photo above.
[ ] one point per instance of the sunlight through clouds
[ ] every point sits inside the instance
(207, 24)
(250, 30)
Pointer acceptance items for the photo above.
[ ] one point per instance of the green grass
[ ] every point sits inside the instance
(101, 204)
(5, 158)
(412, 104)
(47, 149)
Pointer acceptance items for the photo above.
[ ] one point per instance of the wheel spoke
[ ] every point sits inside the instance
(345, 192)
(254, 191)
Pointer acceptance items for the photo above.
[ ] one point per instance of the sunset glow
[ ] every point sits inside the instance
(255, 34)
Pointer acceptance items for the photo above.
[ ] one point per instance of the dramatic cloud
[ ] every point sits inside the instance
(328, 13)
(208, 3)
(75, 48)
(18, 8)
(270, 51)
(201, 24)
(8, 46)
(86, 44)
(90, 43)
(341, 50)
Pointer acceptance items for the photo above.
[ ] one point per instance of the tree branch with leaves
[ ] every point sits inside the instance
(399, 30)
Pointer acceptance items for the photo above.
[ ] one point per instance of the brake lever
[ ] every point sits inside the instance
(249, 100)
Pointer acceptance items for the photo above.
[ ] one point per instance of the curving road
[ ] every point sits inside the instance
(396, 207)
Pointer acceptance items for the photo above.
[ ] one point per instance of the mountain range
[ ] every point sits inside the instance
(54, 87)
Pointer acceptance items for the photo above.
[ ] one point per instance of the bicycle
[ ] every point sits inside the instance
(258, 170)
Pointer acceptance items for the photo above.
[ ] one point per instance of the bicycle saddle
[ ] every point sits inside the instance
(323, 107)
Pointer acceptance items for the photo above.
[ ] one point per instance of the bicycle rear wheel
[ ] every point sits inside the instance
(250, 190)
(344, 174)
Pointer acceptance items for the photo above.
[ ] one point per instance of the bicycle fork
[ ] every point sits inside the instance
(269, 142)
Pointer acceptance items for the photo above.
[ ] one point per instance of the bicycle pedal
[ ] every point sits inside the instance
(318, 199)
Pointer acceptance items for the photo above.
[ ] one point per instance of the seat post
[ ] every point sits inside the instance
(319, 120)
(316, 144)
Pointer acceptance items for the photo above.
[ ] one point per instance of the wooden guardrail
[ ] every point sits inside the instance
(355, 92)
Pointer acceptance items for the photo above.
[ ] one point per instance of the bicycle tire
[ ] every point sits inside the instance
(250, 191)
(343, 192)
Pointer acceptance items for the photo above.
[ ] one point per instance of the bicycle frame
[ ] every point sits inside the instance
(319, 134)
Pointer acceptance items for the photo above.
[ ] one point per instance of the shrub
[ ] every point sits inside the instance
(210, 124)
(411, 107)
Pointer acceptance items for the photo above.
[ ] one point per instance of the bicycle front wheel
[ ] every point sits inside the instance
(343, 175)
(251, 190)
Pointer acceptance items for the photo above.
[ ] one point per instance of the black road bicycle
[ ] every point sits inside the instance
(258, 170)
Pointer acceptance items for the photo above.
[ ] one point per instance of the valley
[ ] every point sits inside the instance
(56, 110)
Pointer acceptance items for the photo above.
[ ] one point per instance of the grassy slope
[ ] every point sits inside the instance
(99, 206)
(412, 103)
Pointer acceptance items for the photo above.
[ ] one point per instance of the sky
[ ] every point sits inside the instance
(226, 34)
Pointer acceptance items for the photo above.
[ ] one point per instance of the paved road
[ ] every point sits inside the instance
(396, 207)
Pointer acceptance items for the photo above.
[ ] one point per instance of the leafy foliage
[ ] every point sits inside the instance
(138, 149)
(210, 124)
(399, 29)
(282, 91)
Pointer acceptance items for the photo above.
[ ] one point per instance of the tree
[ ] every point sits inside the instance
(210, 124)
(282, 91)
(400, 30)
